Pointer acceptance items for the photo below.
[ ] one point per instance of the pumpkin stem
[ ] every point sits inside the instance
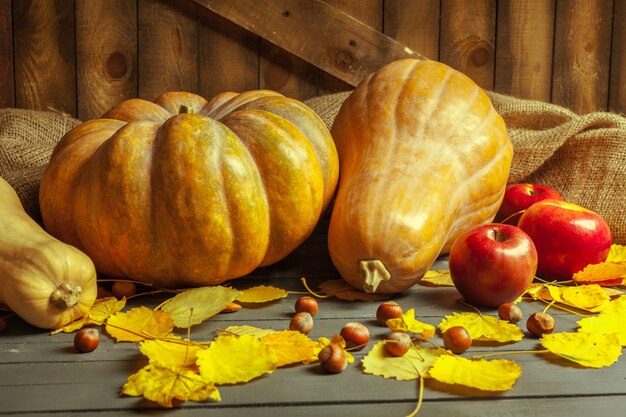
(184, 109)
(373, 272)
(65, 296)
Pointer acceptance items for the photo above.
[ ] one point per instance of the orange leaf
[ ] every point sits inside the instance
(603, 273)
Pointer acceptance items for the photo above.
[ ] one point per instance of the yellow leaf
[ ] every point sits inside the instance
(585, 297)
(604, 273)
(251, 330)
(408, 367)
(437, 278)
(173, 353)
(408, 323)
(593, 350)
(612, 320)
(198, 304)
(97, 314)
(289, 346)
(261, 294)
(232, 359)
(486, 328)
(534, 290)
(485, 375)
(617, 253)
(340, 289)
(162, 385)
(139, 324)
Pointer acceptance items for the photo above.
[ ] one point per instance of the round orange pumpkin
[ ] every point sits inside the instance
(424, 156)
(184, 192)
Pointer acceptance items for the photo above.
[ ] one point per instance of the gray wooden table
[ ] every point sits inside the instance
(42, 375)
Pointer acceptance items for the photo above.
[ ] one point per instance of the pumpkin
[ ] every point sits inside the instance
(183, 191)
(44, 281)
(423, 157)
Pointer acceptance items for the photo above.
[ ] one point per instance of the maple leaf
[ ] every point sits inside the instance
(486, 328)
(408, 323)
(437, 278)
(340, 289)
(590, 297)
(97, 314)
(139, 324)
(612, 320)
(485, 375)
(261, 294)
(289, 346)
(162, 385)
(592, 350)
(415, 362)
(173, 353)
(231, 359)
(196, 305)
(604, 273)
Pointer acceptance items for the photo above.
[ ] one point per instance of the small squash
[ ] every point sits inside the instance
(423, 156)
(44, 281)
(186, 192)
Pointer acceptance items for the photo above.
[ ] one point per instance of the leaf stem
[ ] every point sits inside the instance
(311, 291)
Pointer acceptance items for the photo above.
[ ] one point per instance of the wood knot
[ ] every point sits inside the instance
(116, 65)
(345, 60)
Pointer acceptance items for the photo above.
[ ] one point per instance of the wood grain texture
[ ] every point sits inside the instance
(366, 11)
(167, 47)
(414, 24)
(524, 48)
(317, 32)
(6, 54)
(45, 73)
(106, 51)
(468, 37)
(582, 54)
(617, 86)
(228, 56)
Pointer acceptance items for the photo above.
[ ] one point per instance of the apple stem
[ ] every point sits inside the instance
(499, 236)
(373, 273)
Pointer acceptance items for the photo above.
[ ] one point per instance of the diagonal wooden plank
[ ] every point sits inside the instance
(317, 32)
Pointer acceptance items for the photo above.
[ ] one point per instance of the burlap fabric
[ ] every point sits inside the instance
(583, 157)
(26, 140)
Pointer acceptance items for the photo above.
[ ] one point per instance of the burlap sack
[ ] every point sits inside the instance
(581, 156)
(27, 138)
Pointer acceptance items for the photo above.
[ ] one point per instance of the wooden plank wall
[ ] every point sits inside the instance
(83, 56)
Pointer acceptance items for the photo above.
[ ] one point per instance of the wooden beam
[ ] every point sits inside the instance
(316, 32)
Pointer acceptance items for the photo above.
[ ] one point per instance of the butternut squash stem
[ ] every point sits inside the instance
(65, 296)
(373, 272)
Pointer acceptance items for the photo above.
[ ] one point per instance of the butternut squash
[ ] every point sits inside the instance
(44, 281)
(423, 156)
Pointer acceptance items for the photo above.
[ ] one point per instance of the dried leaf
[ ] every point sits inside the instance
(485, 375)
(289, 346)
(408, 367)
(408, 323)
(604, 273)
(194, 306)
(173, 353)
(250, 330)
(486, 328)
(592, 350)
(97, 314)
(612, 320)
(233, 359)
(585, 297)
(617, 253)
(261, 294)
(340, 289)
(437, 278)
(163, 385)
(139, 324)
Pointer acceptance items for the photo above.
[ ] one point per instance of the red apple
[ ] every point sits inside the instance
(518, 197)
(492, 264)
(568, 237)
